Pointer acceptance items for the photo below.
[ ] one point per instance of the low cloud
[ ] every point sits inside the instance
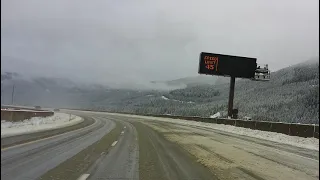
(139, 41)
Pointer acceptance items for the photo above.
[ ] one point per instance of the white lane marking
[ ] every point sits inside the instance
(125, 127)
(122, 132)
(114, 143)
(83, 177)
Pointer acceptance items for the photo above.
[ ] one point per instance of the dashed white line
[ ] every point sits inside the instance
(114, 143)
(122, 132)
(83, 177)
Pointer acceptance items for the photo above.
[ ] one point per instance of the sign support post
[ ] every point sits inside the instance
(231, 96)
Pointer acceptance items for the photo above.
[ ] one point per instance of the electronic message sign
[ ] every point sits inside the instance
(225, 65)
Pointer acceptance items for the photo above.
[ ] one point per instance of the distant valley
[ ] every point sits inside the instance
(292, 95)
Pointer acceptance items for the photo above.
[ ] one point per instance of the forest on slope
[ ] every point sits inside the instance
(292, 95)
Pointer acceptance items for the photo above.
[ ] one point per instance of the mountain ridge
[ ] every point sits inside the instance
(290, 96)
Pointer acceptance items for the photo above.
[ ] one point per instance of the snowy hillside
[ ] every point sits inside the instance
(290, 96)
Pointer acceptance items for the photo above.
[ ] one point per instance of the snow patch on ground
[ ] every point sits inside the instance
(37, 124)
(216, 115)
(308, 143)
(165, 98)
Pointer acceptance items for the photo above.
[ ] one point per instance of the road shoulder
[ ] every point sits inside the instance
(232, 158)
(77, 165)
(162, 159)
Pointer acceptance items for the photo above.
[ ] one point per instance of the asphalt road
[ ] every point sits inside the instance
(233, 156)
(31, 160)
(123, 147)
(122, 162)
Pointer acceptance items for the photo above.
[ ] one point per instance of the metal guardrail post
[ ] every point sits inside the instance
(11, 116)
(289, 130)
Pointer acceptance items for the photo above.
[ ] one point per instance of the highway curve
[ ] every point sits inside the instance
(31, 160)
(124, 147)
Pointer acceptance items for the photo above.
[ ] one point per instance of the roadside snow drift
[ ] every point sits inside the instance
(308, 143)
(37, 124)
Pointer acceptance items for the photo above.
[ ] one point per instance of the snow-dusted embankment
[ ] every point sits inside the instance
(37, 124)
(308, 143)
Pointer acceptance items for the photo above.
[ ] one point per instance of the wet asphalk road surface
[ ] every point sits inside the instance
(124, 147)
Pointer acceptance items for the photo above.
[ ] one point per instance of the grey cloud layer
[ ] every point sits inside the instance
(143, 40)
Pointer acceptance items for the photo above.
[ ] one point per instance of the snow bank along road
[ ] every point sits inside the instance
(38, 124)
(130, 147)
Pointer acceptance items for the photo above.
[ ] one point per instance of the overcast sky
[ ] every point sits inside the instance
(143, 40)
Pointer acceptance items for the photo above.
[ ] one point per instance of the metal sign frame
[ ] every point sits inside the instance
(226, 65)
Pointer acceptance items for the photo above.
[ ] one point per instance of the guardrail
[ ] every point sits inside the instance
(19, 115)
(19, 107)
(292, 129)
